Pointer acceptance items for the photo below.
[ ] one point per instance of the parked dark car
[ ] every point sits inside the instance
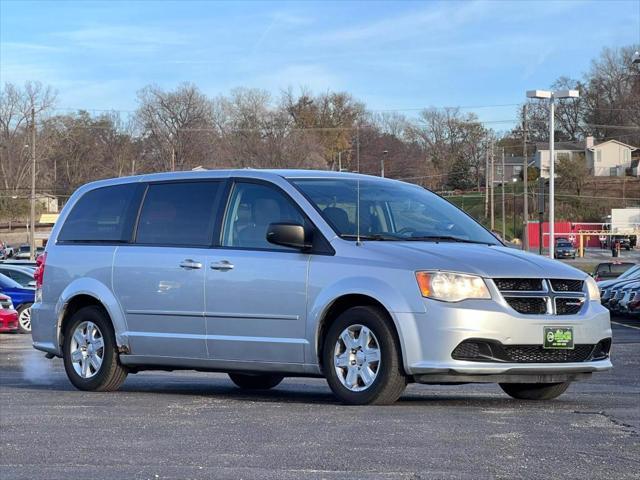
(565, 249)
(625, 242)
(609, 270)
(22, 298)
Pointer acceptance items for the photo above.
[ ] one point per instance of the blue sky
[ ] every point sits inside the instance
(391, 55)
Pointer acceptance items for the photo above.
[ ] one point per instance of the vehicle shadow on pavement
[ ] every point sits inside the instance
(298, 394)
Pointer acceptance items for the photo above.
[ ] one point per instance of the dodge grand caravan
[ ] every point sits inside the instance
(369, 282)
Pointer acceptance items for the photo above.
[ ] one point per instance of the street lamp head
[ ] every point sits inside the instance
(385, 152)
(538, 94)
(566, 94)
(635, 59)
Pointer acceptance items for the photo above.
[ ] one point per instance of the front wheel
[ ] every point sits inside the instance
(24, 318)
(535, 391)
(361, 358)
(90, 352)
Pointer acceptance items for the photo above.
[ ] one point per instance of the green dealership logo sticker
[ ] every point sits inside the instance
(558, 337)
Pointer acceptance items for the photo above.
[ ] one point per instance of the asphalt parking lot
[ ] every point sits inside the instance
(198, 425)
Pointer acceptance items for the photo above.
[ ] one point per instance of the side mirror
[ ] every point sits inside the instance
(288, 235)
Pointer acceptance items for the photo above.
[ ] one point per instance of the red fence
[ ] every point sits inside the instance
(562, 229)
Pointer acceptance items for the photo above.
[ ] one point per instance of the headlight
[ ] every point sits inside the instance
(592, 289)
(451, 287)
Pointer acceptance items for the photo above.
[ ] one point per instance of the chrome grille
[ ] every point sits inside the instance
(518, 284)
(567, 285)
(528, 305)
(539, 296)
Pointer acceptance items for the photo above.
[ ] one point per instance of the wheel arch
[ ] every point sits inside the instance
(341, 304)
(85, 292)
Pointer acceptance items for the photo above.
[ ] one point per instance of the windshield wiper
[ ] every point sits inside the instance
(382, 237)
(445, 238)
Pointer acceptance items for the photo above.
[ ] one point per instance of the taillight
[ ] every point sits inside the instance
(38, 274)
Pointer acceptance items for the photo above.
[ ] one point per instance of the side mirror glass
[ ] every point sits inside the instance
(291, 235)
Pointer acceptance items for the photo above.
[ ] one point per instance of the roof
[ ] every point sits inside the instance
(265, 174)
(614, 141)
(514, 160)
(570, 146)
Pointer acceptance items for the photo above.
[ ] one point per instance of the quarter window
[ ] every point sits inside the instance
(252, 207)
(105, 214)
(178, 214)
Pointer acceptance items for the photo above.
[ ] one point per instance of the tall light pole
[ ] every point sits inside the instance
(384, 155)
(32, 216)
(551, 96)
(525, 183)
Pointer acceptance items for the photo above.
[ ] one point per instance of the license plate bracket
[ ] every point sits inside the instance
(558, 338)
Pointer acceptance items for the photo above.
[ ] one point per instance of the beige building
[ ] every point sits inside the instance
(607, 159)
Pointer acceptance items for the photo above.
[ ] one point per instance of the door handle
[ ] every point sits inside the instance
(223, 265)
(189, 264)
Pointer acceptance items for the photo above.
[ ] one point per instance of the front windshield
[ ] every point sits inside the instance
(565, 245)
(390, 211)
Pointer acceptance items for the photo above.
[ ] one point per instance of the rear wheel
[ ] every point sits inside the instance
(90, 352)
(361, 359)
(24, 318)
(535, 391)
(257, 381)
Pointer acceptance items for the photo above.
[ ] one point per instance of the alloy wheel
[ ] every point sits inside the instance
(87, 349)
(25, 319)
(357, 358)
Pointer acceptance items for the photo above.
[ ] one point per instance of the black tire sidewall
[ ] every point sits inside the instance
(375, 320)
(257, 381)
(98, 317)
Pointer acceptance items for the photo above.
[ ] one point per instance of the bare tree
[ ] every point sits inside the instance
(177, 126)
(16, 105)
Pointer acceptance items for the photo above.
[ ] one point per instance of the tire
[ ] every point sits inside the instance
(24, 318)
(357, 378)
(110, 373)
(535, 391)
(257, 381)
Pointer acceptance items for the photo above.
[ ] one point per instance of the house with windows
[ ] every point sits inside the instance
(513, 166)
(611, 158)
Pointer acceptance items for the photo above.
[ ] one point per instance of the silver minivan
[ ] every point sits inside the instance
(371, 283)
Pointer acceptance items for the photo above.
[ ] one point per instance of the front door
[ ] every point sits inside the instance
(159, 280)
(255, 305)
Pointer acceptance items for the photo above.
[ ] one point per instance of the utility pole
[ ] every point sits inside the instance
(504, 228)
(173, 158)
(491, 186)
(339, 161)
(525, 183)
(384, 155)
(32, 217)
(486, 183)
(358, 148)
(552, 178)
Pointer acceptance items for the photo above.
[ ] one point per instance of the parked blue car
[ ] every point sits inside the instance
(22, 298)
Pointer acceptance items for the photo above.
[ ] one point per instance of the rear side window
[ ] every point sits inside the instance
(105, 214)
(179, 214)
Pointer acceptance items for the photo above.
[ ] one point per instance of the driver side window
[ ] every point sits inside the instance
(252, 207)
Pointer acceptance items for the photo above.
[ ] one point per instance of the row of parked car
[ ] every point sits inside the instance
(17, 294)
(621, 295)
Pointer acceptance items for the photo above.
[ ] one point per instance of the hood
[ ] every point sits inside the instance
(484, 260)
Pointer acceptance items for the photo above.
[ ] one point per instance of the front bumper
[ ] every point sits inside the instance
(428, 339)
